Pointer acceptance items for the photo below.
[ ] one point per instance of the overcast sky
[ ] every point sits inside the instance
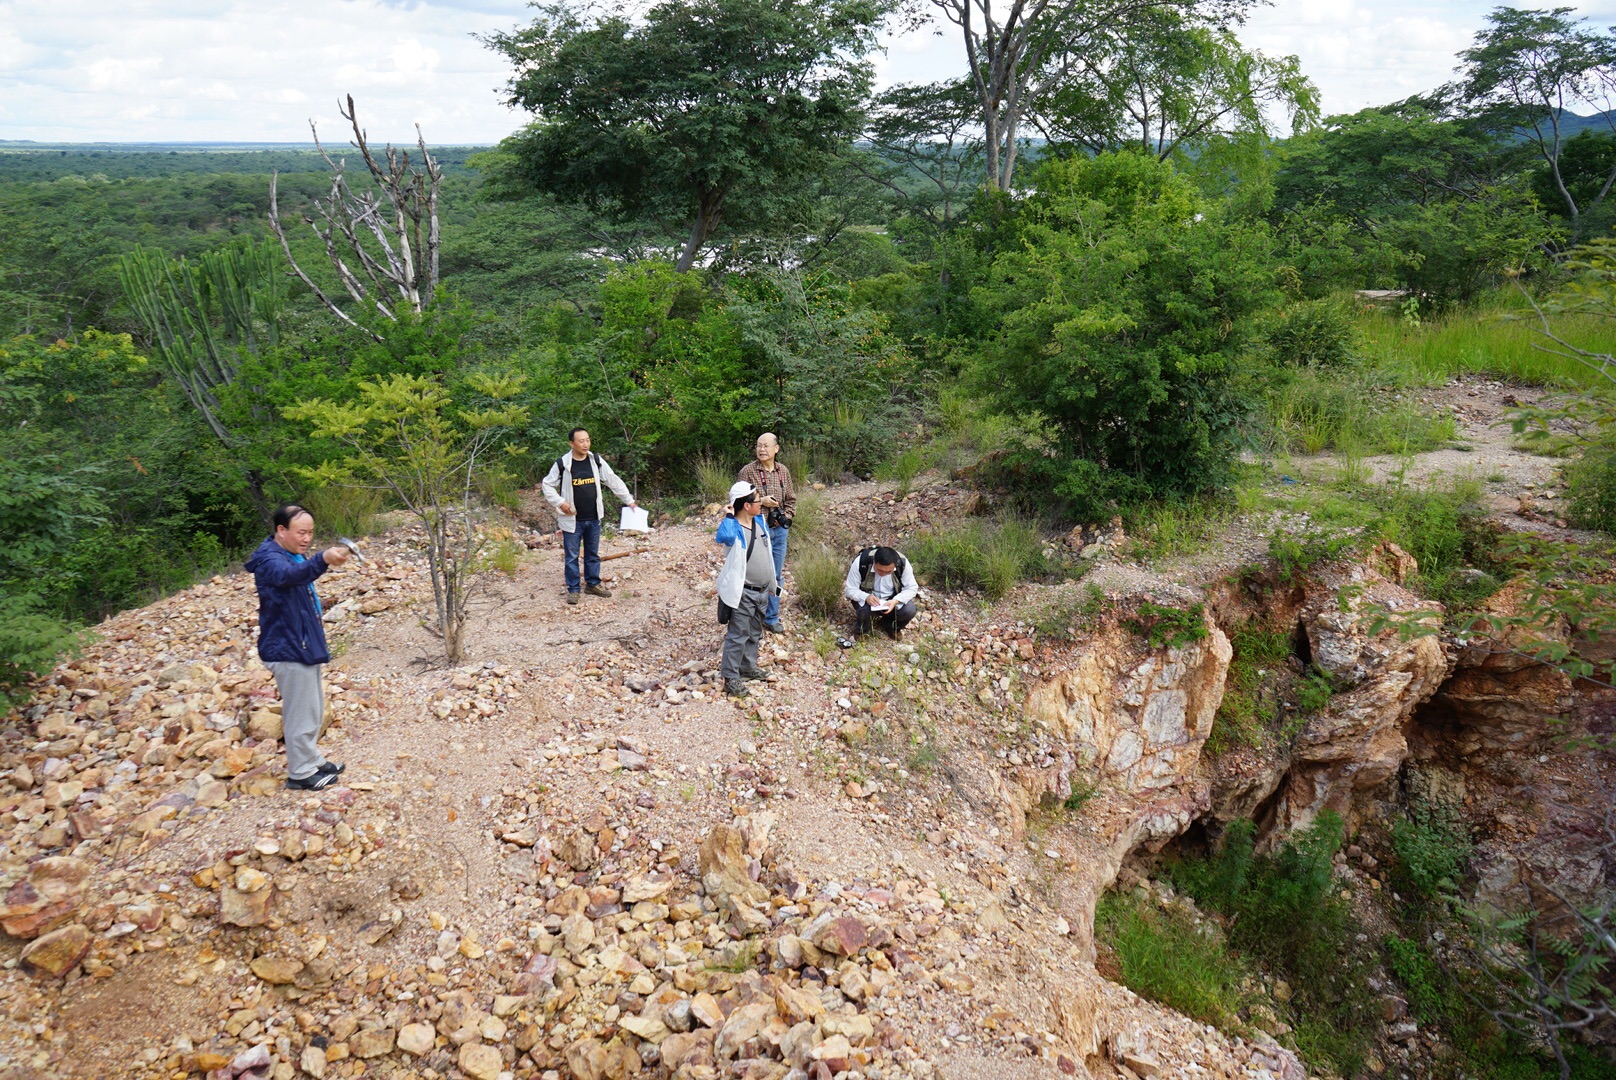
(257, 70)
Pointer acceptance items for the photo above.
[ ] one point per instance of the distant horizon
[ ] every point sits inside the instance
(83, 72)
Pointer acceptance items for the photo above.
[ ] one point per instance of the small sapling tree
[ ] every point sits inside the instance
(406, 436)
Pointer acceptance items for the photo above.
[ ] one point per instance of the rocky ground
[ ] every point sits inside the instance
(569, 857)
(573, 857)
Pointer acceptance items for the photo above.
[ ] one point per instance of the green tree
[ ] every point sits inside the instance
(1121, 313)
(1529, 70)
(1169, 82)
(1021, 52)
(205, 316)
(405, 434)
(702, 112)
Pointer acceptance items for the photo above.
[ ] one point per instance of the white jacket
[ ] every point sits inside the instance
(559, 479)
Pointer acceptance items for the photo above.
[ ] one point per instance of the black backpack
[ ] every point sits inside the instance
(866, 563)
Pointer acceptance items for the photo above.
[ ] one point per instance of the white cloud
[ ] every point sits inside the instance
(257, 70)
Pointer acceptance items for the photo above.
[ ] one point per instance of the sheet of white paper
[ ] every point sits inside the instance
(635, 519)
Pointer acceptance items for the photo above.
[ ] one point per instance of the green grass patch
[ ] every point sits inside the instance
(993, 556)
(713, 477)
(1166, 957)
(1352, 410)
(1068, 615)
(1285, 911)
(1501, 339)
(1165, 528)
(1251, 702)
(1591, 489)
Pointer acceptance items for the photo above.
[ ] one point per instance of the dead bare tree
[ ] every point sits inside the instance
(397, 266)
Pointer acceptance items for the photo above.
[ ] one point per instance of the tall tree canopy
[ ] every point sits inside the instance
(704, 111)
(1530, 70)
(1171, 80)
(1020, 52)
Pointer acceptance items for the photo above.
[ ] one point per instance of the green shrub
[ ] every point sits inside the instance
(1167, 958)
(1312, 333)
(1294, 554)
(991, 556)
(1116, 308)
(1431, 845)
(30, 644)
(1591, 489)
(818, 576)
(1168, 627)
(1313, 693)
(1285, 910)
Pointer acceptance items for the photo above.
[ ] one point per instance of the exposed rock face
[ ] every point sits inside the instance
(1133, 732)
(1141, 727)
(1357, 742)
(1498, 700)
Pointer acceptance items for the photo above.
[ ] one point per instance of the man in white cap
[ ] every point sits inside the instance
(745, 584)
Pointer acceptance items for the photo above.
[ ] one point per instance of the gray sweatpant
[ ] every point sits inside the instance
(302, 712)
(745, 631)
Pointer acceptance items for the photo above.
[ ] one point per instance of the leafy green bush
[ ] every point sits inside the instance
(1116, 310)
(1312, 333)
(1284, 909)
(991, 556)
(1431, 845)
(1167, 958)
(1591, 489)
(30, 643)
(1168, 627)
(818, 576)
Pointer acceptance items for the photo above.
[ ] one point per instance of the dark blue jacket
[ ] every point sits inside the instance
(289, 626)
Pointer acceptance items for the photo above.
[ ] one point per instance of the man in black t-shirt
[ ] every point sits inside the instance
(580, 474)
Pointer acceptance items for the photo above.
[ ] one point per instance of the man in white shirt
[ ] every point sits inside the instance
(881, 587)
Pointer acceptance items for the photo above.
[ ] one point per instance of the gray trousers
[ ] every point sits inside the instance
(745, 631)
(302, 712)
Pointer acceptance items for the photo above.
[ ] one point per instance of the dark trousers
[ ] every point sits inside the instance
(864, 619)
(586, 533)
(743, 635)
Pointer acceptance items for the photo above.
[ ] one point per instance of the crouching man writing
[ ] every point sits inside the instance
(881, 587)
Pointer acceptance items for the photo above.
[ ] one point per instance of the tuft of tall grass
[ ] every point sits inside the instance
(713, 478)
(1310, 410)
(817, 576)
(989, 555)
(1500, 339)
(810, 515)
(342, 510)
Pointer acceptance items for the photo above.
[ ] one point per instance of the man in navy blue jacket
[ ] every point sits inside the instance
(291, 639)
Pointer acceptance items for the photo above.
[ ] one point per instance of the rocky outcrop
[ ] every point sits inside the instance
(1498, 698)
(1130, 731)
(1357, 743)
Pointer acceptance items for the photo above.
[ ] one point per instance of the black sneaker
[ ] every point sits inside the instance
(318, 782)
(332, 767)
(774, 628)
(754, 673)
(734, 688)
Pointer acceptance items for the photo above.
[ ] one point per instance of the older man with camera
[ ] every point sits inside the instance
(779, 501)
